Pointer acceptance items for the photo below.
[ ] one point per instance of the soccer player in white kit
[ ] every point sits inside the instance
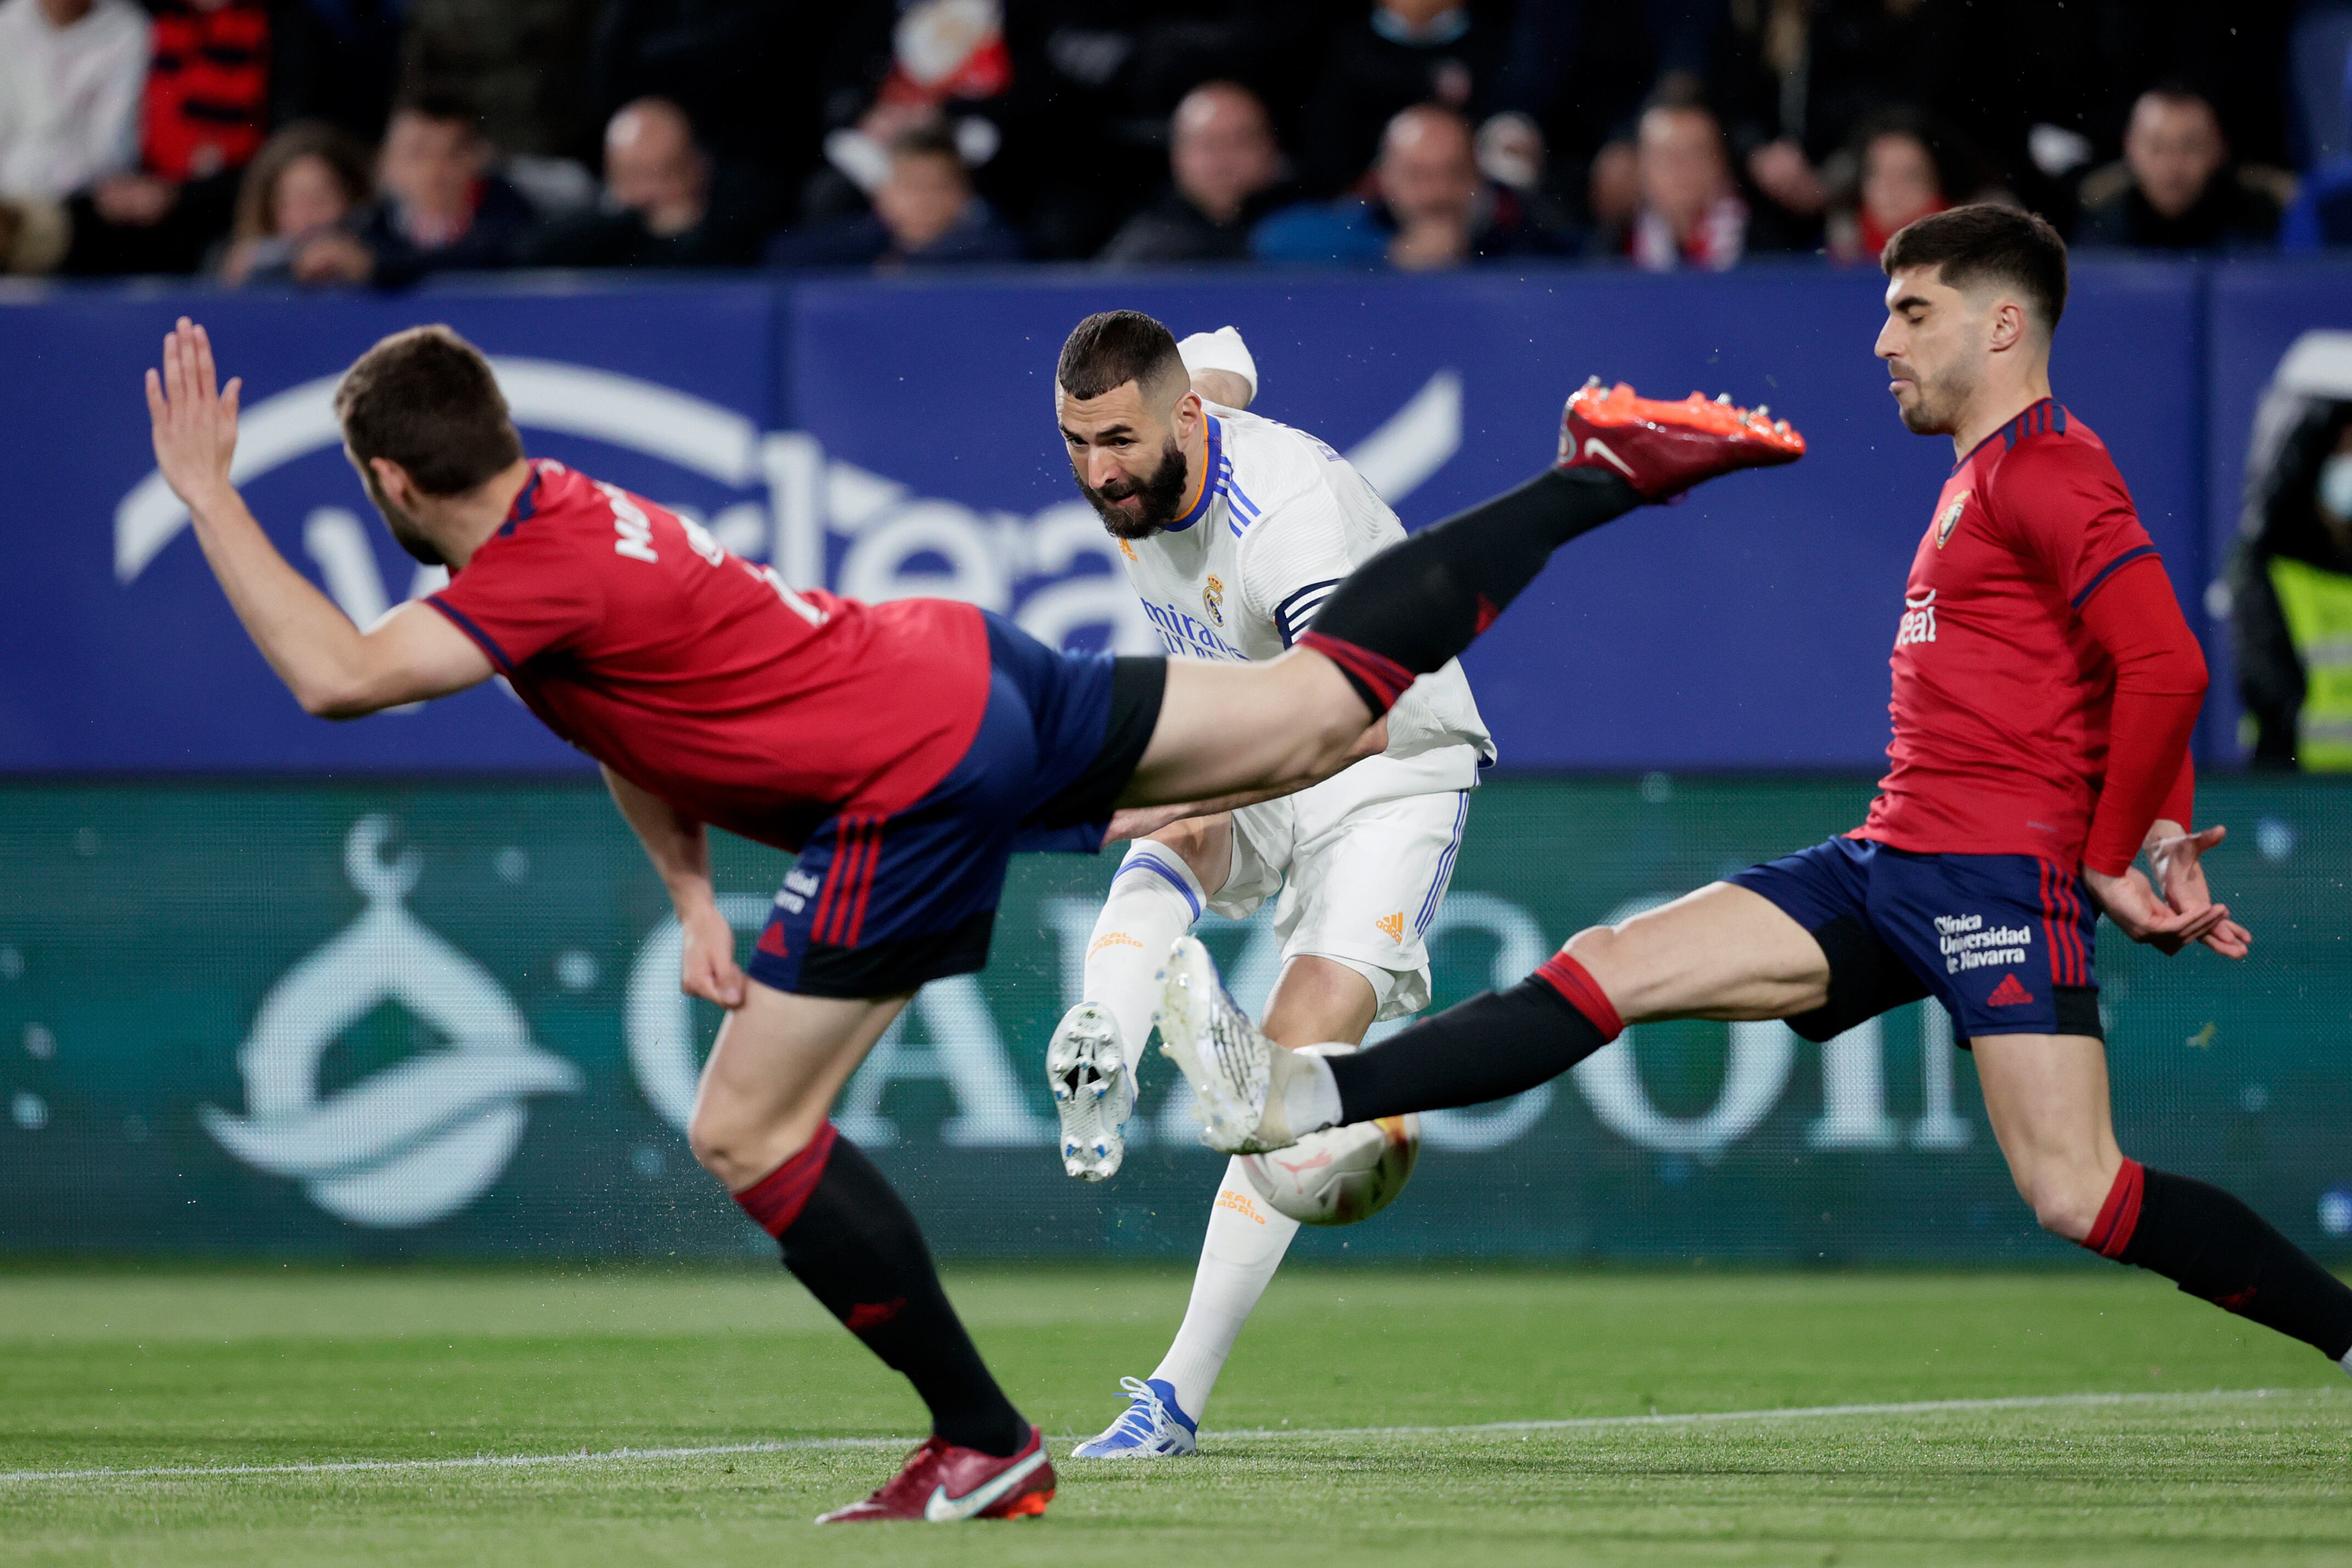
(1233, 546)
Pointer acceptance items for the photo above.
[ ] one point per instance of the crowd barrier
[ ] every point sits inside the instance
(400, 1019)
(889, 438)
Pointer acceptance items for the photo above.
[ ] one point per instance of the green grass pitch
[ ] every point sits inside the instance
(2226, 1444)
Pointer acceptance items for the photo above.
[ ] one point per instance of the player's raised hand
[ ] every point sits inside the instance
(195, 420)
(2132, 902)
(2179, 863)
(708, 969)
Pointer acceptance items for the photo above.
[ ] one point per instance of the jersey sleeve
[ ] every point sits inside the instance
(2068, 511)
(1292, 558)
(522, 595)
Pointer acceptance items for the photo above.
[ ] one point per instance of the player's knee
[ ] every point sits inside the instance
(725, 1143)
(1195, 842)
(2066, 1202)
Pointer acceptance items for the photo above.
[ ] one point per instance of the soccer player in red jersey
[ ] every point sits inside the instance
(2045, 685)
(904, 751)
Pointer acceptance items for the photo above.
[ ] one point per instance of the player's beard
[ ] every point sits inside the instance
(1934, 406)
(1162, 497)
(405, 531)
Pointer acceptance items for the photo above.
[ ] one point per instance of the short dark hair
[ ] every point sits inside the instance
(446, 108)
(933, 140)
(1110, 349)
(426, 398)
(1985, 242)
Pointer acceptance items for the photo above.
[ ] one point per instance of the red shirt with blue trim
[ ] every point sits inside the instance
(704, 679)
(2002, 696)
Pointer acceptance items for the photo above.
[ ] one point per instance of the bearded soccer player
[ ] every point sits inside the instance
(1235, 566)
(2045, 687)
(904, 751)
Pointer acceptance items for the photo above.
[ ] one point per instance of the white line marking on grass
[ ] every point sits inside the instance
(1472, 1430)
(1787, 1413)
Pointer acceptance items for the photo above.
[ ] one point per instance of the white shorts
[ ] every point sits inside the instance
(1359, 882)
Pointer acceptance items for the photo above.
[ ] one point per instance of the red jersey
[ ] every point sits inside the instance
(2001, 696)
(703, 678)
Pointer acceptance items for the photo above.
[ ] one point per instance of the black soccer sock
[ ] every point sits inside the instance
(1488, 1048)
(1419, 603)
(2213, 1246)
(849, 1238)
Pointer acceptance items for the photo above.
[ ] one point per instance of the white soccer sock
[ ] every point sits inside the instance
(1311, 1101)
(1154, 899)
(1244, 1246)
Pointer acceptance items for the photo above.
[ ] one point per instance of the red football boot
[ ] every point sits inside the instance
(943, 1483)
(1664, 448)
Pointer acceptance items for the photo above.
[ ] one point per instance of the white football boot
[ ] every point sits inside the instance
(1093, 1092)
(1237, 1075)
(1151, 1427)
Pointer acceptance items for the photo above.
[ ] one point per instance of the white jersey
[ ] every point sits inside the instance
(1280, 519)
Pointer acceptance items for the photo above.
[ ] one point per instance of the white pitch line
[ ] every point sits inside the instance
(1482, 1428)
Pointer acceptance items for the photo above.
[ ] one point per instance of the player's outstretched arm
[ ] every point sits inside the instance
(334, 669)
(680, 851)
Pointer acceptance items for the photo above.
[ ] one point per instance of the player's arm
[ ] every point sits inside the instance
(680, 850)
(1221, 367)
(2148, 799)
(334, 669)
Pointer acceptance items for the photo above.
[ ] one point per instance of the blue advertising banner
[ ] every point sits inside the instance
(2279, 332)
(897, 438)
(121, 653)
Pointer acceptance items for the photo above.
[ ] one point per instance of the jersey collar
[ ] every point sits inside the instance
(526, 503)
(2045, 417)
(1205, 480)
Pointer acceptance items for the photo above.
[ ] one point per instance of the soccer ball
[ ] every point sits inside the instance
(1341, 1174)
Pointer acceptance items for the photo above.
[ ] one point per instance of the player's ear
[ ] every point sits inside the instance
(2011, 326)
(393, 481)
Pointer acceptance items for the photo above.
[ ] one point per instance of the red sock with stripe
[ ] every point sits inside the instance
(2212, 1246)
(1488, 1048)
(851, 1240)
(1411, 608)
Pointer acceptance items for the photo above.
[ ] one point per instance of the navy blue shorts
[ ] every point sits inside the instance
(879, 903)
(2004, 941)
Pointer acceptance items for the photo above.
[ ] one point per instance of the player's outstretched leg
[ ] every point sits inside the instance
(2047, 1098)
(1410, 609)
(1721, 952)
(847, 1236)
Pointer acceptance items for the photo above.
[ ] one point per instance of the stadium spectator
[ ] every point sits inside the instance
(71, 72)
(1401, 53)
(2321, 214)
(203, 112)
(1223, 163)
(666, 204)
(926, 214)
(2176, 188)
(743, 70)
(1896, 179)
(520, 65)
(307, 180)
(1690, 214)
(1581, 71)
(2291, 596)
(438, 206)
(1796, 79)
(895, 69)
(1431, 211)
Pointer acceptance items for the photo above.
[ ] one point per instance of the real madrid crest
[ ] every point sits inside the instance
(1949, 518)
(1212, 600)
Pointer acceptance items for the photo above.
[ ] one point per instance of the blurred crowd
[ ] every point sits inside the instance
(349, 142)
